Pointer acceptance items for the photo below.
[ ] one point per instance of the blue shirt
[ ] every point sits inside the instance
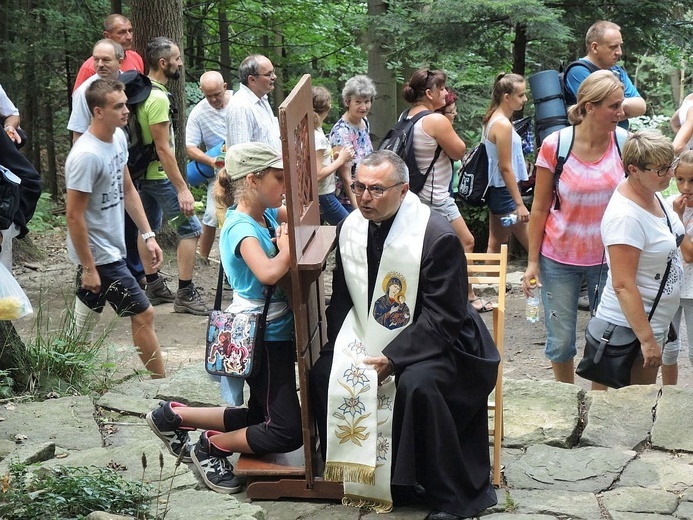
(576, 75)
(237, 227)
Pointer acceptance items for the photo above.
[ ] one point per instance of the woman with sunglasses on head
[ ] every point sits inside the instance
(426, 90)
(506, 162)
(641, 235)
(565, 244)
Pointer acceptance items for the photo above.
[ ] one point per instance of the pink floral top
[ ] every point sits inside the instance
(572, 234)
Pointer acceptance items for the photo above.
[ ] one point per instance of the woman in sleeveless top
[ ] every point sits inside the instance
(506, 162)
(426, 91)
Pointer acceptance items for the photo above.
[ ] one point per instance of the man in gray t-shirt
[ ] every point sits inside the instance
(99, 191)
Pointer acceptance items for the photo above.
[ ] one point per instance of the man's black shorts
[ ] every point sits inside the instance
(118, 287)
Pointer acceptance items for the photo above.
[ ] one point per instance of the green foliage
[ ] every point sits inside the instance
(65, 360)
(70, 493)
(6, 384)
(46, 217)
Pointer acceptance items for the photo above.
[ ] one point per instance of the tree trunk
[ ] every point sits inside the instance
(384, 111)
(116, 7)
(151, 18)
(520, 49)
(224, 55)
(13, 356)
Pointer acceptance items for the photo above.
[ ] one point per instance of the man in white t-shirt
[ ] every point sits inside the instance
(99, 191)
(107, 57)
(207, 125)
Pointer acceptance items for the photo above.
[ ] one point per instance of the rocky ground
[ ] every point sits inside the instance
(50, 282)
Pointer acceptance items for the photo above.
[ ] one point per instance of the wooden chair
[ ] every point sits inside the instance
(491, 268)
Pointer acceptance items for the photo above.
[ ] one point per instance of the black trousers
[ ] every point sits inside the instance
(273, 416)
(29, 189)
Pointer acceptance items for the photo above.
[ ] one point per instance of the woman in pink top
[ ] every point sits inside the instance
(565, 244)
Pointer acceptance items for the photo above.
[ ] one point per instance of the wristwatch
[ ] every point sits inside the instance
(147, 236)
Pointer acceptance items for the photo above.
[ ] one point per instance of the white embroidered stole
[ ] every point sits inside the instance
(359, 424)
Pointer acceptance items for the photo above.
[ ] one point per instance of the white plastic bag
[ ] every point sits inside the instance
(13, 301)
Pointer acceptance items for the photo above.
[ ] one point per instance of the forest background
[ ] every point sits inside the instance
(44, 42)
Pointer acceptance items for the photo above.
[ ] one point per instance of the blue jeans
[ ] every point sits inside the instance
(559, 294)
(331, 210)
(160, 197)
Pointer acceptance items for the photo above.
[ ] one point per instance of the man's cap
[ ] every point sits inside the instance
(137, 86)
(246, 158)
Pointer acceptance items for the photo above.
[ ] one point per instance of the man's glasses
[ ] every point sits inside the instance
(266, 74)
(661, 172)
(376, 191)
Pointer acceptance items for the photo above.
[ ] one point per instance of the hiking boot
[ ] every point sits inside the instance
(189, 300)
(158, 292)
(165, 423)
(214, 467)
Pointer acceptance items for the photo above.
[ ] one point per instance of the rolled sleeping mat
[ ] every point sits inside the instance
(199, 173)
(550, 112)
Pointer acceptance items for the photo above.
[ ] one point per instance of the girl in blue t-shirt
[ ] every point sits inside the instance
(254, 248)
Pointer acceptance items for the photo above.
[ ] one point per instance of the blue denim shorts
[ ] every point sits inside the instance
(560, 292)
(499, 200)
(160, 197)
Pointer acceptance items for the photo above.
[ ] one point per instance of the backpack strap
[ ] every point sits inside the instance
(570, 98)
(620, 134)
(413, 120)
(566, 137)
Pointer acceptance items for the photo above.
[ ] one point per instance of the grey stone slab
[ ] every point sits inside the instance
(315, 510)
(68, 422)
(559, 503)
(640, 500)
(684, 511)
(687, 495)
(540, 412)
(620, 418)
(589, 469)
(672, 427)
(517, 516)
(128, 461)
(189, 504)
(659, 470)
(127, 404)
(623, 515)
(191, 385)
(28, 454)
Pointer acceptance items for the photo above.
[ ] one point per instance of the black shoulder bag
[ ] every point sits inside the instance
(611, 350)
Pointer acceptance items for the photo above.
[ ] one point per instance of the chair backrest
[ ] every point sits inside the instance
(489, 268)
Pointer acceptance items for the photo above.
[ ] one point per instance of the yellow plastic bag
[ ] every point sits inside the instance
(13, 301)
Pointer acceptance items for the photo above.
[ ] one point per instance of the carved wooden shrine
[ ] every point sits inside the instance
(293, 474)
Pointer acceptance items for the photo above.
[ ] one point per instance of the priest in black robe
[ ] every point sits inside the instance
(444, 363)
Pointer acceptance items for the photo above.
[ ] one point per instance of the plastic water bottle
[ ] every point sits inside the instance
(509, 219)
(533, 306)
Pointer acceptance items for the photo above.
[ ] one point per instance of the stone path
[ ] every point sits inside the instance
(568, 454)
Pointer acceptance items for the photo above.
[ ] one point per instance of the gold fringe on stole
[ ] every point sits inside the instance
(349, 472)
(379, 506)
